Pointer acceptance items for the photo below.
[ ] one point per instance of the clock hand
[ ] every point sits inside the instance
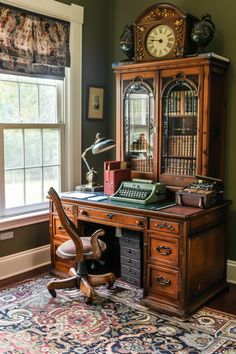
(156, 40)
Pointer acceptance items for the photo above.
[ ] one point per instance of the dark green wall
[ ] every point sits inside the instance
(122, 12)
(95, 69)
(25, 238)
(94, 73)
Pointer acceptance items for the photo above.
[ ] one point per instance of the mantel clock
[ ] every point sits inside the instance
(163, 32)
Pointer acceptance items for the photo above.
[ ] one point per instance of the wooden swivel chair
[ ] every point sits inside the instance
(80, 249)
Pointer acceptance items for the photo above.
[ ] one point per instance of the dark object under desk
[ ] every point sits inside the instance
(183, 250)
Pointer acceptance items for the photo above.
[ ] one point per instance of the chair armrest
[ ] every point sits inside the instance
(96, 249)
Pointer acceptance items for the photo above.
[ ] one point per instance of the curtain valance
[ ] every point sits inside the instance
(32, 43)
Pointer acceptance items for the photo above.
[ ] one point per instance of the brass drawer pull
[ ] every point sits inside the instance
(163, 250)
(60, 227)
(110, 216)
(160, 226)
(139, 223)
(165, 226)
(162, 281)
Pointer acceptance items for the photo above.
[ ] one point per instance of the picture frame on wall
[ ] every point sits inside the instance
(96, 103)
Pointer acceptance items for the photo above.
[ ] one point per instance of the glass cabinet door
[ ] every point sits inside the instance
(139, 125)
(179, 127)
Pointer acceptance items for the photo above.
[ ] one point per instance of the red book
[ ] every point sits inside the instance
(114, 174)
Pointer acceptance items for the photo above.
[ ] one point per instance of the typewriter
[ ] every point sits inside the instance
(139, 191)
(206, 192)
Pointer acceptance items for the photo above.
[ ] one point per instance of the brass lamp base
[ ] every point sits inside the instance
(89, 188)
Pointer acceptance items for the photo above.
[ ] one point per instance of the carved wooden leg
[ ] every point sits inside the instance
(100, 279)
(62, 284)
(87, 290)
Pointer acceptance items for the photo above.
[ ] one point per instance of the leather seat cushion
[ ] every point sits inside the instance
(67, 249)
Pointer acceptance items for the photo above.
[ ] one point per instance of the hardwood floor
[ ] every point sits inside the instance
(225, 301)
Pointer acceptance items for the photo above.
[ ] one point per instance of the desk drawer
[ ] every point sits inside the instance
(58, 229)
(163, 249)
(132, 280)
(131, 253)
(111, 217)
(68, 208)
(162, 281)
(129, 262)
(131, 272)
(130, 242)
(165, 226)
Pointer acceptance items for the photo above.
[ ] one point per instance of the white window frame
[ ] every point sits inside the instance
(73, 82)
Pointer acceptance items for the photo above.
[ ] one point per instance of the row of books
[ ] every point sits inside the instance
(185, 167)
(176, 166)
(183, 103)
(144, 165)
(140, 144)
(191, 102)
(182, 145)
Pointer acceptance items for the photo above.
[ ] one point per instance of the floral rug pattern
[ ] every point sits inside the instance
(32, 322)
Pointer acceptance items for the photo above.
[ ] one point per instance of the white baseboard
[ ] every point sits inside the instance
(231, 271)
(22, 262)
(37, 257)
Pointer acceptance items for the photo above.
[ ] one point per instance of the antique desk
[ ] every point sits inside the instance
(183, 253)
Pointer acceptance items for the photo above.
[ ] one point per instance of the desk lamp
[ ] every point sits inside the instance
(100, 145)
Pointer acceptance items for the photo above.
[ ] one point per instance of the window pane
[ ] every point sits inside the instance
(50, 147)
(33, 147)
(14, 188)
(8, 102)
(33, 179)
(51, 179)
(47, 104)
(13, 148)
(29, 103)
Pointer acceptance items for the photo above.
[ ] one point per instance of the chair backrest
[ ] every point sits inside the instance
(67, 224)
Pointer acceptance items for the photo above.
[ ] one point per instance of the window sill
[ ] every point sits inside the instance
(14, 222)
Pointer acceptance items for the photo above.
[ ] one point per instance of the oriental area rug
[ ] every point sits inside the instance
(32, 322)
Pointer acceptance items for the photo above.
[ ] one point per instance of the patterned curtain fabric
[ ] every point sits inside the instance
(33, 44)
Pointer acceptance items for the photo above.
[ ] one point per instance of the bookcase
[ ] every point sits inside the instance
(170, 118)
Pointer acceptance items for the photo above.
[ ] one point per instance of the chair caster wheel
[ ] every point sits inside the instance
(53, 292)
(88, 300)
(110, 284)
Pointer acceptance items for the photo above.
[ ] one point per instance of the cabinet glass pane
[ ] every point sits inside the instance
(138, 126)
(179, 128)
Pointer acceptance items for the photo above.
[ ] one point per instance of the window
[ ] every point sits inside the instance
(31, 136)
(68, 132)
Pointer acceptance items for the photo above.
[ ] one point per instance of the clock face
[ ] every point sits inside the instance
(160, 41)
